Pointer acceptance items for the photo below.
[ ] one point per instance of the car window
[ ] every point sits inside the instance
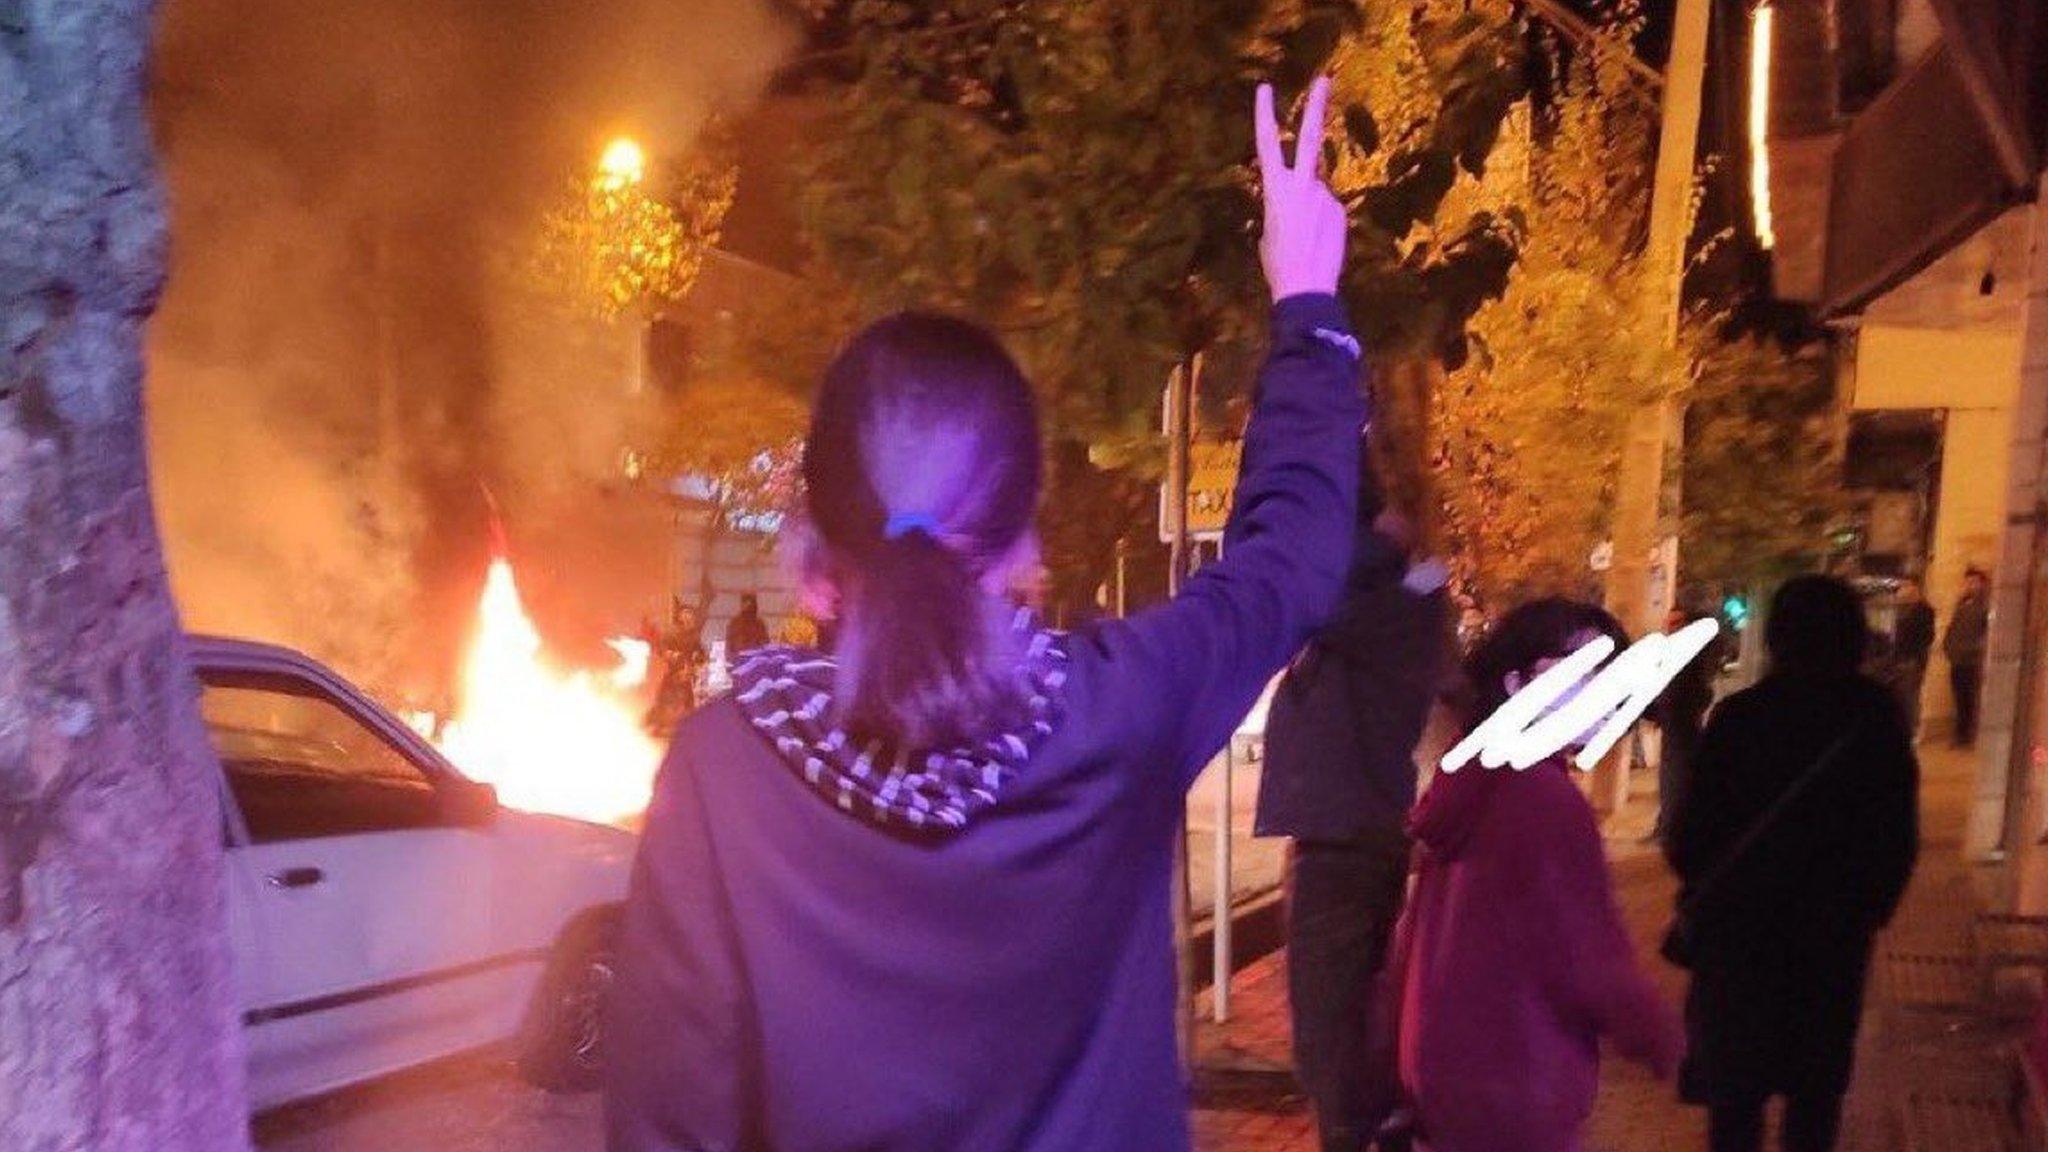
(301, 766)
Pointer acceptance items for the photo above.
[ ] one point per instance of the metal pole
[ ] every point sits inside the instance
(1220, 917)
(643, 332)
(1177, 428)
(1640, 486)
(1656, 427)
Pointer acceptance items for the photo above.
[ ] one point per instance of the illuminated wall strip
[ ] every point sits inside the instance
(1760, 122)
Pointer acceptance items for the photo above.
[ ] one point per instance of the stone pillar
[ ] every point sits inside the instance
(2013, 725)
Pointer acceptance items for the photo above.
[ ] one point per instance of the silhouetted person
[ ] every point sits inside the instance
(679, 656)
(747, 631)
(1339, 778)
(1964, 647)
(1912, 644)
(1680, 713)
(1782, 927)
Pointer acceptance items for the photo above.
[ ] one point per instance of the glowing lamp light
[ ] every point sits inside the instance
(1760, 122)
(623, 163)
(1736, 609)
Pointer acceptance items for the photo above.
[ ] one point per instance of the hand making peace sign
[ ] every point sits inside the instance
(1303, 245)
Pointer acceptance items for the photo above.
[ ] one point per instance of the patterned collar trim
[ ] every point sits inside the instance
(786, 694)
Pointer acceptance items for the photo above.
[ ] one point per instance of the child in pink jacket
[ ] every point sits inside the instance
(1517, 963)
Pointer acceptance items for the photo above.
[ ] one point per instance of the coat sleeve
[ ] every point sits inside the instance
(681, 1061)
(1699, 827)
(1200, 661)
(1916, 632)
(1598, 978)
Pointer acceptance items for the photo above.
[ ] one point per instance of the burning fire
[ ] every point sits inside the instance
(633, 656)
(550, 740)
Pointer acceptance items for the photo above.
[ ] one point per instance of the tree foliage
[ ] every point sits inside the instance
(1526, 438)
(1077, 176)
(611, 246)
(729, 413)
(1763, 465)
(737, 433)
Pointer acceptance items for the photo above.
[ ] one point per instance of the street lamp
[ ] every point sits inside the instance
(1760, 122)
(623, 164)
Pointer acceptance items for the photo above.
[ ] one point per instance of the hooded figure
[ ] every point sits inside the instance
(1515, 959)
(913, 895)
(1783, 931)
(747, 631)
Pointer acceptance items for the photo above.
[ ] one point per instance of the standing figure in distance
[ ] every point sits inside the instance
(1964, 647)
(1912, 643)
(747, 630)
(680, 654)
(1680, 712)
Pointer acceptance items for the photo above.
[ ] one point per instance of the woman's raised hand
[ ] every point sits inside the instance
(1303, 245)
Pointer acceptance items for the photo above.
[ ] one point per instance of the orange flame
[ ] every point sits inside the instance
(550, 740)
(633, 657)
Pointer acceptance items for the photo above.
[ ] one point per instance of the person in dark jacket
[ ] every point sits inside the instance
(1782, 932)
(679, 654)
(1339, 778)
(1964, 647)
(1912, 644)
(747, 630)
(1680, 713)
(913, 896)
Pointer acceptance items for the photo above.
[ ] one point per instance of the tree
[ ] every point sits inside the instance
(115, 992)
(1526, 438)
(1076, 175)
(617, 245)
(739, 433)
(1763, 464)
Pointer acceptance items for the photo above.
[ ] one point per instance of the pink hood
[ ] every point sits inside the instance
(1518, 965)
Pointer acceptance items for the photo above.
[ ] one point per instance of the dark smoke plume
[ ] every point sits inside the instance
(347, 350)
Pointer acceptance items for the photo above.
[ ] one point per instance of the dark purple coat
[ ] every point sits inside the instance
(795, 978)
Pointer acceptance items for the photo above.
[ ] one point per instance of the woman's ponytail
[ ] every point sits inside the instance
(921, 476)
(923, 652)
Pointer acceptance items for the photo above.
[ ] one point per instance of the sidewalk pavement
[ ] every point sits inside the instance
(1246, 1101)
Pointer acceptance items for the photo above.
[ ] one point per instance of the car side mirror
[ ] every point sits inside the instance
(469, 803)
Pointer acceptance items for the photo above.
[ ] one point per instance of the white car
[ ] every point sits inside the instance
(386, 911)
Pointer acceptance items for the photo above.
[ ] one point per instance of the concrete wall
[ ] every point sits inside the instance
(715, 567)
(1973, 374)
(2010, 787)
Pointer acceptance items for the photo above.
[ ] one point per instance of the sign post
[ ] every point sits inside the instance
(1210, 492)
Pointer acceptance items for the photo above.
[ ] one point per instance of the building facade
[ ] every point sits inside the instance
(1899, 182)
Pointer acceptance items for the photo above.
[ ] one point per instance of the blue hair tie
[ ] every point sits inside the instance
(902, 524)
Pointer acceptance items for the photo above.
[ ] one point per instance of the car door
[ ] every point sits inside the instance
(367, 895)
